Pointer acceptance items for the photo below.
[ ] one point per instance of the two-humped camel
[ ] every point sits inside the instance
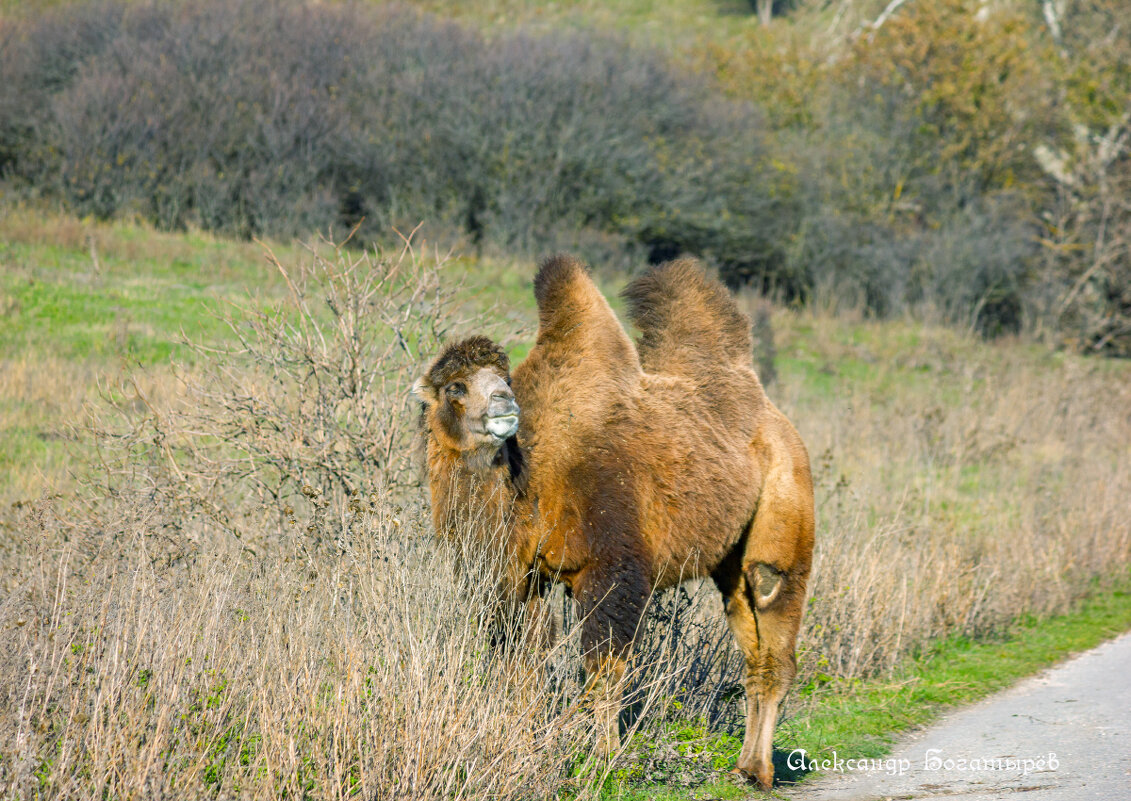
(617, 469)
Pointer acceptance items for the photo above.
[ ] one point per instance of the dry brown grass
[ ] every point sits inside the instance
(47, 397)
(362, 674)
(959, 485)
(36, 394)
(248, 605)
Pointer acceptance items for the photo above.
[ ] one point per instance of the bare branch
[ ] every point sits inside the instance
(889, 9)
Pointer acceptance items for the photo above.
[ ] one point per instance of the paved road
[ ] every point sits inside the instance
(1063, 735)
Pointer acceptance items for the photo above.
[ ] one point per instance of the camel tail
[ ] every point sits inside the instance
(686, 319)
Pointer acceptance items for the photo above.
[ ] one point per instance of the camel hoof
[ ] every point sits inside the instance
(750, 776)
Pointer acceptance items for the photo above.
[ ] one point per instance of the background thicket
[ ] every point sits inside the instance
(264, 118)
(963, 160)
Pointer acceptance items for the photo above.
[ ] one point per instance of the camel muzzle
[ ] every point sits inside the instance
(502, 416)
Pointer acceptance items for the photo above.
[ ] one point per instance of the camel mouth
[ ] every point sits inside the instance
(502, 426)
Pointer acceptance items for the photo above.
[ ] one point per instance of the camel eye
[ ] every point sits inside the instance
(456, 390)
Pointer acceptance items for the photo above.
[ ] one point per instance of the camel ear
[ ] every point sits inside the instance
(423, 390)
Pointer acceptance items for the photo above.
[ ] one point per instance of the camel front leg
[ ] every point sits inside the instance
(605, 672)
(612, 598)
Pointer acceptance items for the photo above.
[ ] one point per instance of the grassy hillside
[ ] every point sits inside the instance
(821, 156)
(962, 486)
(655, 21)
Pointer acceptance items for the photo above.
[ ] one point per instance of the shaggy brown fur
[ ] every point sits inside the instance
(637, 467)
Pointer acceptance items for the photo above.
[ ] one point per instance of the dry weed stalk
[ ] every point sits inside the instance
(362, 674)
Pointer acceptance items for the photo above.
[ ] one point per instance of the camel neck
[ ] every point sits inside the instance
(475, 489)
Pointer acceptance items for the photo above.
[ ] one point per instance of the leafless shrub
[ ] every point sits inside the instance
(306, 413)
(1083, 293)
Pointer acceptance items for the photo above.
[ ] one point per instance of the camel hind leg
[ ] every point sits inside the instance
(769, 675)
(763, 585)
(766, 640)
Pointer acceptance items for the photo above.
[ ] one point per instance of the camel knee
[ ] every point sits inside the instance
(769, 676)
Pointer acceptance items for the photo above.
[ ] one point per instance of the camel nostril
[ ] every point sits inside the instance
(502, 405)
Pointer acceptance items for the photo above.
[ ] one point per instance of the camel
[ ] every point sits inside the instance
(620, 468)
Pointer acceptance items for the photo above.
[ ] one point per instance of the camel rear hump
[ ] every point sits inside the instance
(686, 319)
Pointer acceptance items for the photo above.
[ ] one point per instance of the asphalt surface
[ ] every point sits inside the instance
(1062, 735)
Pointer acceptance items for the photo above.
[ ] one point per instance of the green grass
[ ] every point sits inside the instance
(865, 718)
(134, 304)
(862, 718)
(80, 300)
(661, 22)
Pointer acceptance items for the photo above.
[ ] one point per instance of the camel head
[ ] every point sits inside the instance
(467, 403)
